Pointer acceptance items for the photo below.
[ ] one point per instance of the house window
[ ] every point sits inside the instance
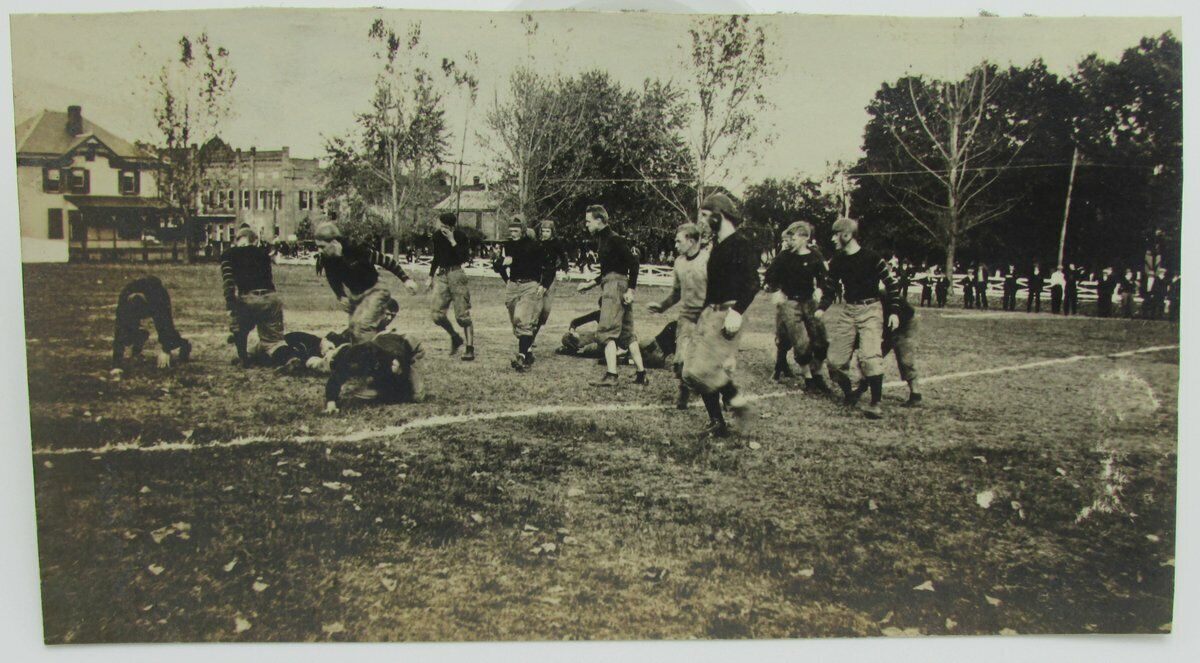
(245, 198)
(278, 199)
(303, 200)
(130, 182)
(262, 199)
(79, 180)
(54, 228)
(52, 180)
(221, 198)
(231, 198)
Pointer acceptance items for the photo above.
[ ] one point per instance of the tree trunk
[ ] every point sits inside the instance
(951, 246)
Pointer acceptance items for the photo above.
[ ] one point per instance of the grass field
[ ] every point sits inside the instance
(211, 503)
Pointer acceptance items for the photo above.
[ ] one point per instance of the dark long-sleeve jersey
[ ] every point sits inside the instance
(860, 275)
(373, 360)
(143, 298)
(732, 273)
(796, 276)
(245, 269)
(555, 256)
(615, 257)
(446, 256)
(529, 262)
(1036, 283)
(354, 270)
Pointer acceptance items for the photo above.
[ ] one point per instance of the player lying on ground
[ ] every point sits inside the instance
(309, 348)
(381, 370)
(655, 353)
(140, 299)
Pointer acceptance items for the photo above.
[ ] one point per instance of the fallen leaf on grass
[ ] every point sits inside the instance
(48, 465)
(333, 628)
(985, 498)
(950, 624)
(227, 488)
(240, 625)
(259, 586)
(872, 505)
(155, 569)
(755, 446)
(147, 608)
(334, 485)
(926, 586)
(1152, 538)
(477, 518)
(351, 473)
(1007, 631)
(1169, 562)
(575, 492)
(887, 618)
(992, 600)
(531, 528)
(980, 459)
(1060, 471)
(229, 567)
(804, 573)
(306, 490)
(144, 490)
(570, 540)
(388, 584)
(551, 600)
(277, 452)
(1165, 628)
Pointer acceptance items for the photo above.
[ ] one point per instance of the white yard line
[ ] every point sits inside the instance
(441, 420)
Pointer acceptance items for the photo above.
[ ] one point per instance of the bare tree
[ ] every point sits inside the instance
(532, 131)
(729, 68)
(951, 141)
(191, 100)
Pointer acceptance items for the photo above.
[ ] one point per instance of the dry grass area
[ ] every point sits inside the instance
(1039, 500)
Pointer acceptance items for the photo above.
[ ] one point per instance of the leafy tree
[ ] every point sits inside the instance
(777, 203)
(1130, 126)
(191, 93)
(729, 66)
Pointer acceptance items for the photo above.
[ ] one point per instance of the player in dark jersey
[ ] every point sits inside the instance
(858, 273)
(140, 299)
(449, 285)
(795, 274)
(350, 270)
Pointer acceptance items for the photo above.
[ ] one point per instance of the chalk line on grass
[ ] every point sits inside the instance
(440, 420)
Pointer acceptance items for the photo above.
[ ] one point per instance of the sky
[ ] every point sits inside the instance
(304, 73)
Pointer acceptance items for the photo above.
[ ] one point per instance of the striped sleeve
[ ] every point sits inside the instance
(389, 263)
(228, 284)
(891, 288)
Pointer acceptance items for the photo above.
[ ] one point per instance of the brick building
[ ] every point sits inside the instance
(271, 190)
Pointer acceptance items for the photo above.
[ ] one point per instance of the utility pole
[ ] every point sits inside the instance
(1062, 238)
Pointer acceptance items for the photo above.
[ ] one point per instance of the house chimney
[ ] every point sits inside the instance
(74, 120)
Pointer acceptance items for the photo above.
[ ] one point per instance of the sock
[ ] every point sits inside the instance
(445, 324)
(712, 403)
(523, 343)
(876, 384)
(780, 358)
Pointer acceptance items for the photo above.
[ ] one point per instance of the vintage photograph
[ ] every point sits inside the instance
(394, 325)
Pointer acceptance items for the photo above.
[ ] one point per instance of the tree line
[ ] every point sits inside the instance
(974, 169)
